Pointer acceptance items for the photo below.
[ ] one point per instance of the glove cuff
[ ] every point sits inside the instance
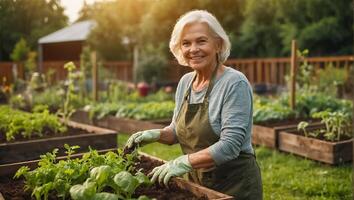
(184, 162)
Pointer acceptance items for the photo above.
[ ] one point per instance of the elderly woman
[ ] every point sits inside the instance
(213, 115)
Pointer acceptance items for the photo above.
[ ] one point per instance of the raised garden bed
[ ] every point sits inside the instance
(82, 135)
(119, 124)
(178, 188)
(267, 133)
(295, 142)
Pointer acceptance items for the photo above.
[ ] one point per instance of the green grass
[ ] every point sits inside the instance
(284, 176)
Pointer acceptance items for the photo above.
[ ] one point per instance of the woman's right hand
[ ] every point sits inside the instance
(143, 137)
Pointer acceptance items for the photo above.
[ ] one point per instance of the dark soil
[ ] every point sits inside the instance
(320, 137)
(13, 189)
(286, 122)
(47, 133)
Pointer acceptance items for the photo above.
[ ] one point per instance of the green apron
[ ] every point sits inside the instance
(240, 177)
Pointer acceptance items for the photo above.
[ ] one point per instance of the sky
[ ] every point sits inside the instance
(72, 7)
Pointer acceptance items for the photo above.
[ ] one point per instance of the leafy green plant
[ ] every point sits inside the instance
(269, 111)
(329, 83)
(308, 102)
(140, 111)
(302, 126)
(14, 123)
(67, 110)
(85, 178)
(305, 70)
(337, 124)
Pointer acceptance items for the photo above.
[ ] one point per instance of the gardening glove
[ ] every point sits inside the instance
(143, 137)
(177, 167)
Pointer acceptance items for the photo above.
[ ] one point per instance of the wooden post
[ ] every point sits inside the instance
(293, 66)
(94, 76)
(135, 63)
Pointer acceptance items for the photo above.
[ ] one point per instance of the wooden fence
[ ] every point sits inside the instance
(260, 70)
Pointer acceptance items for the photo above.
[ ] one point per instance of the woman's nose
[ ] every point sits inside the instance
(194, 48)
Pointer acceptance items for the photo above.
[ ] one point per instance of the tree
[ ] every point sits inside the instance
(117, 29)
(29, 20)
(259, 35)
(324, 27)
(87, 11)
(20, 52)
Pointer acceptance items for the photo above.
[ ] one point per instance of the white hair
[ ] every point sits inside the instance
(214, 25)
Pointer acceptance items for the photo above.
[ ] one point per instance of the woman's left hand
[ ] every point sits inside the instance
(176, 167)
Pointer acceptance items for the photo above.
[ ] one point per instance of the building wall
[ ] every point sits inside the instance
(62, 51)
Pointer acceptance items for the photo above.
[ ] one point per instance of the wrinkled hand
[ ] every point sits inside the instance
(144, 137)
(177, 167)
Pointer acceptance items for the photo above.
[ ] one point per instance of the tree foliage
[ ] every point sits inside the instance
(257, 28)
(20, 52)
(323, 26)
(29, 20)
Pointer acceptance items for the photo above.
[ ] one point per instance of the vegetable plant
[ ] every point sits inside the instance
(302, 126)
(91, 177)
(67, 110)
(140, 111)
(15, 123)
(337, 125)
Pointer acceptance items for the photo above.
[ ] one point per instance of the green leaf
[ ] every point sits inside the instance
(126, 181)
(83, 192)
(106, 196)
(142, 178)
(22, 171)
(100, 174)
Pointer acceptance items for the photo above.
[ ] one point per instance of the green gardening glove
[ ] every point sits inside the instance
(177, 167)
(143, 137)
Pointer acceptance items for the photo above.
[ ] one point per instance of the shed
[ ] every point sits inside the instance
(65, 44)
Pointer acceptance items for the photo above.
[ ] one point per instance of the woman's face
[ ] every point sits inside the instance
(198, 46)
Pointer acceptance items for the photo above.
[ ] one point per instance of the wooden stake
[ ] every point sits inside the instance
(293, 63)
(94, 76)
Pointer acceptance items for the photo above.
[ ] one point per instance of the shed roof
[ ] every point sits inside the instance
(76, 32)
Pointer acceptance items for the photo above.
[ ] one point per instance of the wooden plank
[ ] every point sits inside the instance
(259, 72)
(273, 73)
(319, 150)
(94, 76)
(119, 124)
(264, 136)
(268, 136)
(196, 189)
(96, 138)
(267, 72)
(293, 75)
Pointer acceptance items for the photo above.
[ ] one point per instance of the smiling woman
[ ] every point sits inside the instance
(212, 119)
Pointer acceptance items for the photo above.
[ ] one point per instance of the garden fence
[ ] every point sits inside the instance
(258, 71)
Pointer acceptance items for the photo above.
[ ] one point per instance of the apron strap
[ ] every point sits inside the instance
(210, 86)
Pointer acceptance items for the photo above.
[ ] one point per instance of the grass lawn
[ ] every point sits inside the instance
(284, 176)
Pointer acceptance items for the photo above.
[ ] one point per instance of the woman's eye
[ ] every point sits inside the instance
(185, 44)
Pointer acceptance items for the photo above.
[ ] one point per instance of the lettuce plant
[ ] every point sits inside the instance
(92, 177)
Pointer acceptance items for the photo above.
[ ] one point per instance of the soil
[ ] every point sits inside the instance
(173, 192)
(320, 137)
(46, 134)
(13, 189)
(286, 122)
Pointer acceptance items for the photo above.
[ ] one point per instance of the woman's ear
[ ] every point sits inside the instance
(218, 44)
